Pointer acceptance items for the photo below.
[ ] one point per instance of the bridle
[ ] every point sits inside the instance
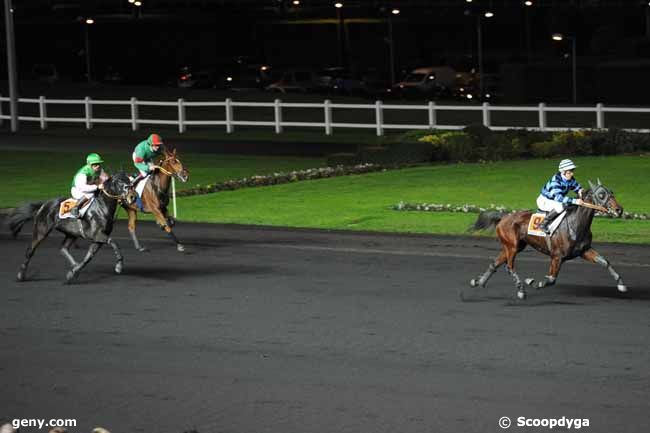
(165, 171)
(119, 198)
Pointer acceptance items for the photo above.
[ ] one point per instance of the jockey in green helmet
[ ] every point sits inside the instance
(145, 153)
(87, 181)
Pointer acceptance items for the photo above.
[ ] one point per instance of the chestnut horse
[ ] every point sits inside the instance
(155, 197)
(571, 239)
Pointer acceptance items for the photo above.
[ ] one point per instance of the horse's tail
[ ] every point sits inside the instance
(487, 220)
(21, 215)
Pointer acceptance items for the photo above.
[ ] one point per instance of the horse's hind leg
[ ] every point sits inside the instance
(593, 256)
(92, 250)
(511, 253)
(132, 220)
(41, 230)
(483, 279)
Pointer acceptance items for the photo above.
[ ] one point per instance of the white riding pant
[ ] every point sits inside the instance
(78, 195)
(548, 205)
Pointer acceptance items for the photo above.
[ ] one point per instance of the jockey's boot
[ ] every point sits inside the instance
(77, 208)
(547, 221)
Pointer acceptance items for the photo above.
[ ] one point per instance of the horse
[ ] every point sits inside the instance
(155, 197)
(571, 239)
(96, 225)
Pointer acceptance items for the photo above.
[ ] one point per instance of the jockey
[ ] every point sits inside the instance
(89, 179)
(553, 197)
(144, 154)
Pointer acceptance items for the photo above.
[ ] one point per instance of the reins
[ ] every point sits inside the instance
(594, 206)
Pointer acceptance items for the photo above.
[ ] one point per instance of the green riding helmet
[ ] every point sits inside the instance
(94, 158)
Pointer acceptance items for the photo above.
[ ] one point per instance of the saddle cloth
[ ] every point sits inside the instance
(68, 204)
(139, 188)
(537, 218)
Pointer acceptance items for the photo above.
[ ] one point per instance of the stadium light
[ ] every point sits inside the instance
(395, 11)
(528, 3)
(338, 5)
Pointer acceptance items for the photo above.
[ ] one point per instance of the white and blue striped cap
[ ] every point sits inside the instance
(566, 164)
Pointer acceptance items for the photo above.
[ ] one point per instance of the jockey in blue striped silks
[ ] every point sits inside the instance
(554, 195)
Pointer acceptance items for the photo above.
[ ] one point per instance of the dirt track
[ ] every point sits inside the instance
(270, 330)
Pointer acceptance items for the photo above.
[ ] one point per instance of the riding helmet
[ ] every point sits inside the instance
(94, 158)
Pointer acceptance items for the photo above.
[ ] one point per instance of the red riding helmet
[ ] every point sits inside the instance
(155, 139)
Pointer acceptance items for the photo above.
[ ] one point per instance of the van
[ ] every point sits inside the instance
(428, 81)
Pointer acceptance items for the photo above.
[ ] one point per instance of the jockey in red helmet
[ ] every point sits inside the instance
(145, 153)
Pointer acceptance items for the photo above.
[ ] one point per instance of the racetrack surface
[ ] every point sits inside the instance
(273, 330)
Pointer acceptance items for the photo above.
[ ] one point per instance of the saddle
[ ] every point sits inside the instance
(537, 218)
(68, 204)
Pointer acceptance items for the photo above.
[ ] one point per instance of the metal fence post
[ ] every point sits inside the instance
(328, 117)
(379, 117)
(134, 114)
(1, 119)
(42, 108)
(89, 113)
(600, 116)
(277, 109)
(229, 125)
(487, 121)
(181, 116)
(432, 115)
(542, 116)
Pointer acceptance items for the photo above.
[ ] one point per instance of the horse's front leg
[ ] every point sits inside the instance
(118, 255)
(92, 250)
(132, 214)
(593, 256)
(162, 221)
(65, 250)
(554, 270)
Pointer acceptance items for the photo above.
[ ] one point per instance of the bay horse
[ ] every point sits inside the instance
(96, 225)
(571, 239)
(155, 197)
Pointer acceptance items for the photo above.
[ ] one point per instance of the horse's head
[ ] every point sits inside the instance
(172, 164)
(119, 186)
(603, 196)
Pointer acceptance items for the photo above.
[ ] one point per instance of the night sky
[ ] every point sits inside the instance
(150, 44)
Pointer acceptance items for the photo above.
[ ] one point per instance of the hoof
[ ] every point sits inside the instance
(180, 247)
(20, 276)
(529, 281)
(171, 221)
(473, 282)
(622, 288)
(521, 295)
(541, 285)
(143, 249)
(118, 267)
(71, 275)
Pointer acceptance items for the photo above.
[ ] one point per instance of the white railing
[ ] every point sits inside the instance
(379, 108)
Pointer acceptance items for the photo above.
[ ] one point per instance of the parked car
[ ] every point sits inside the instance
(294, 80)
(429, 81)
(45, 72)
(246, 77)
(190, 78)
(468, 88)
(113, 76)
(341, 81)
